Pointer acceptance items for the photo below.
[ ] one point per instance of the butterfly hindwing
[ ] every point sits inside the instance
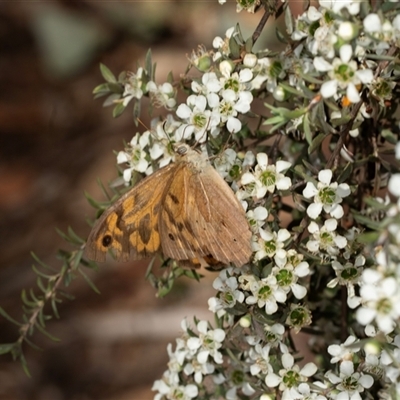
(224, 220)
(202, 218)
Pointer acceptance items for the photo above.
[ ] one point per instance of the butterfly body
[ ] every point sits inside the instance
(185, 211)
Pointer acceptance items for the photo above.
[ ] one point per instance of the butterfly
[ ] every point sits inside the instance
(185, 210)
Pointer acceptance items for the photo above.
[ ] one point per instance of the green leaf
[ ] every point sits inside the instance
(292, 90)
(54, 307)
(40, 285)
(122, 77)
(307, 131)
(346, 173)
(366, 221)
(7, 317)
(248, 46)
(316, 143)
(281, 37)
(37, 259)
(192, 274)
(89, 281)
(107, 74)
(24, 365)
(118, 110)
(149, 64)
(45, 333)
(234, 47)
(150, 267)
(111, 99)
(31, 344)
(101, 89)
(238, 309)
(136, 112)
(6, 348)
(288, 20)
(165, 289)
(389, 136)
(75, 238)
(26, 300)
(368, 238)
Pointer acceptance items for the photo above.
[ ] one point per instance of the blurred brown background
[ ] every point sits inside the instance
(55, 141)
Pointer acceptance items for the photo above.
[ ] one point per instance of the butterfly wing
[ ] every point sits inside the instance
(202, 218)
(130, 225)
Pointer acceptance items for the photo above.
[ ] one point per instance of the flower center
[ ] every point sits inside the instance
(327, 195)
(291, 378)
(284, 277)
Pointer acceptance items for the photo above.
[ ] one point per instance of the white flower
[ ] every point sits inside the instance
(236, 380)
(267, 177)
(162, 95)
(222, 45)
(208, 343)
(169, 391)
(265, 71)
(133, 88)
(344, 74)
(197, 118)
(257, 218)
(228, 293)
(229, 104)
(198, 369)
(372, 23)
(274, 337)
(344, 351)
(394, 184)
(380, 298)
(250, 60)
(287, 275)
(325, 238)
(327, 195)
(306, 394)
(209, 84)
(229, 165)
(347, 30)
(348, 275)
(290, 377)
(353, 6)
(266, 293)
(259, 360)
(269, 243)
(397, 148)
(350, 383)
(323, 42)
(134, 155)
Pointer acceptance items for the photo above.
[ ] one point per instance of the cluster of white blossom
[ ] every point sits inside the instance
(257, 307)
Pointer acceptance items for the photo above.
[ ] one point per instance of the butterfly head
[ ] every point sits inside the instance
(181, 149)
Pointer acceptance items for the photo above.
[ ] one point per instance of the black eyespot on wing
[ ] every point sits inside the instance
(106, 241)
(171, 236)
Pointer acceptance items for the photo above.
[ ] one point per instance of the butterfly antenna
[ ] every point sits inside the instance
(204, 133)
(166, 133)
(143, 124)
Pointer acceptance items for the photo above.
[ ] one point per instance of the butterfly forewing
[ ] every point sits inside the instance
(130, 225)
